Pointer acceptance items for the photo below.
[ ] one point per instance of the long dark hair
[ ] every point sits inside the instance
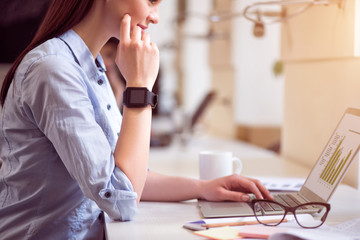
(61, 16)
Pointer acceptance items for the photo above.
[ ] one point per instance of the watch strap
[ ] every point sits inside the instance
(152, 99)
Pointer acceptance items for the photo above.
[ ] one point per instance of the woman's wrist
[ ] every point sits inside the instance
(201, 188)
(139, 85)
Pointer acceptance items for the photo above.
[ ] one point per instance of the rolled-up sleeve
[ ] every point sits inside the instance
(60, 102)
(121, 192)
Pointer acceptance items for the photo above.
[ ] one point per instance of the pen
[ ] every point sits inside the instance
(211, 225)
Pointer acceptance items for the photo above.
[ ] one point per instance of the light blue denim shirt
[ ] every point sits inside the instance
(58, 132)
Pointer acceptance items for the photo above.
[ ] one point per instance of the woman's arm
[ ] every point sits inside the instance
(160, 187)
(138, 61)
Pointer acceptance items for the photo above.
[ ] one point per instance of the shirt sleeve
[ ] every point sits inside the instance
(55, 96)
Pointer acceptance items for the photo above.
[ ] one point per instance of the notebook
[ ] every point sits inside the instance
(325, 176)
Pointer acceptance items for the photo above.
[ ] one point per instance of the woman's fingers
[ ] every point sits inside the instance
(229, 195)
(259, 189)
(146, 38)
(136, 34)
(137, 58)
(235, 188)
(125, 29)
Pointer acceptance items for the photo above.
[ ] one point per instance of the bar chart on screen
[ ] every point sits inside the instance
(335, 160)
(336, 157)
(336, 164)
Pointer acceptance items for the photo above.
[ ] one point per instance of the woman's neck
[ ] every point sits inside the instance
(92, 31)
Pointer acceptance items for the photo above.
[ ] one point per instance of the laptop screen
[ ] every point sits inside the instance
(336, 157)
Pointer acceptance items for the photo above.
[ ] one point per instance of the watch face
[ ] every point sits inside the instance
(137, 96)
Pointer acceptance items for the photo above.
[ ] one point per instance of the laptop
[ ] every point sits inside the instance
(322, 181)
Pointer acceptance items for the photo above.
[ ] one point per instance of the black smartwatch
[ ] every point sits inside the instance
(139, 97)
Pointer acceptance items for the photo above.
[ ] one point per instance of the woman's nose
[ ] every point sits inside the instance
(154, 17)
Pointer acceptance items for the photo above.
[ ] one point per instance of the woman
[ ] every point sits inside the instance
(68, 154)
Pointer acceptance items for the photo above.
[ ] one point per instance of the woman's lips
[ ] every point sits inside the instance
(142, 27)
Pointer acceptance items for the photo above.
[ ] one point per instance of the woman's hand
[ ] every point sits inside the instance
(137, 57)
(233, 188)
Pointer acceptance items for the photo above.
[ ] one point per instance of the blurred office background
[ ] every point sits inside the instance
(203, 48)
(281, 80)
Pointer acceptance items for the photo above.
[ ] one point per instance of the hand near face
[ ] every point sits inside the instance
(233, 188)
(137, 57)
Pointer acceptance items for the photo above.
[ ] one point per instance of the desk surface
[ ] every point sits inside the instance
(164, 220)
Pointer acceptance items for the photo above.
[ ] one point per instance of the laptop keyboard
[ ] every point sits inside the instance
(287, 200)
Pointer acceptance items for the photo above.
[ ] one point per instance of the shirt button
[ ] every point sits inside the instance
(108, 106)
(100, 81)
(107, 194)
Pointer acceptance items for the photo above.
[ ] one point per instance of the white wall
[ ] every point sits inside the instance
(322, 79)
(164, 35)
(194, 63)
(259, 93)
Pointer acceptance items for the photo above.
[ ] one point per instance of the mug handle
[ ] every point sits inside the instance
(238, 165)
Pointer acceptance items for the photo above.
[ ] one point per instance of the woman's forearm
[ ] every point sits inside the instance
(160, 187)
(133, 145)
(229, 188)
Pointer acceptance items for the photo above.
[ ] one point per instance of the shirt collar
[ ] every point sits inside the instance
(83, 54)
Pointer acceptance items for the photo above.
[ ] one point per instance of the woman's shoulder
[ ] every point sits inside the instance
(48, 49)
(49, 55)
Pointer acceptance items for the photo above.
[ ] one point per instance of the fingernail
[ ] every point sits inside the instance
(245, 198)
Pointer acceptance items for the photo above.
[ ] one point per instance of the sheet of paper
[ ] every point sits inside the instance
(282, 184)
(312, 234)
(351, 227)
(349, 230)
(259, 231)
(221, 233)
(290, 230)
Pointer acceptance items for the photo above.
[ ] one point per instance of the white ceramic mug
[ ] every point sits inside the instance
(215, 164)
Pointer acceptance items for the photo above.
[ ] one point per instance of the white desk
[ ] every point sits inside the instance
(164, 220)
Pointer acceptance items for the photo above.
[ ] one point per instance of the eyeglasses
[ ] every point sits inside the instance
(318, 210)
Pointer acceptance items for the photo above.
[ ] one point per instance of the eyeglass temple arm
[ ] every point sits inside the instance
(325, 215)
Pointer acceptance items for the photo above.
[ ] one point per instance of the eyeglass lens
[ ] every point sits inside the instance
(318, 213)
(262, 209)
